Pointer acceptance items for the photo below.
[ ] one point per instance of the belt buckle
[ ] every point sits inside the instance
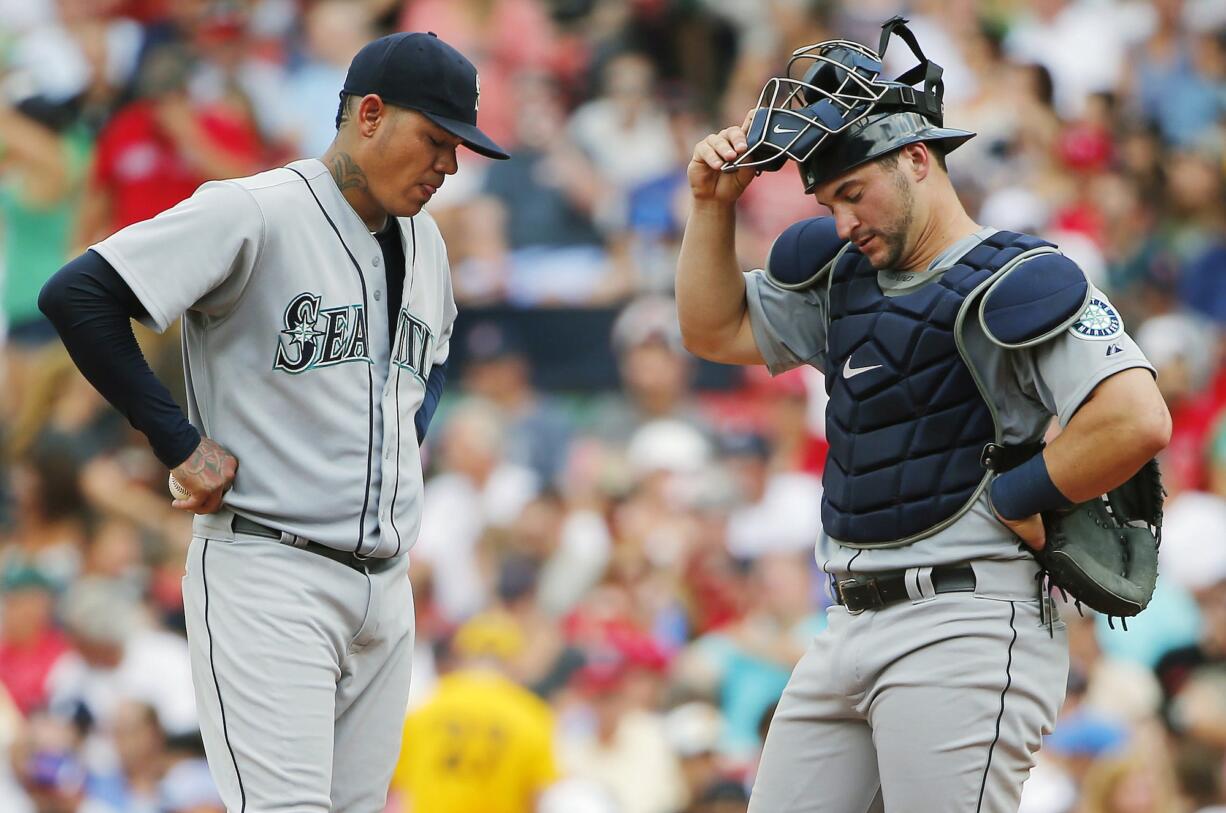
(870, 590)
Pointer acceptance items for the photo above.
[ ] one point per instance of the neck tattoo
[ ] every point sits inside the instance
(346, 172)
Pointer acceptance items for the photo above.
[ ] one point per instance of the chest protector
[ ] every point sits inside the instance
(907, 422)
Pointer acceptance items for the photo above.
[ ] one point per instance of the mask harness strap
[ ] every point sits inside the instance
(929, 100)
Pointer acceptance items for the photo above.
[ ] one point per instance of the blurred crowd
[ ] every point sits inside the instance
(611, 587)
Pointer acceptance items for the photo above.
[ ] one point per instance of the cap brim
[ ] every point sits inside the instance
(950, 138)
(471, 135)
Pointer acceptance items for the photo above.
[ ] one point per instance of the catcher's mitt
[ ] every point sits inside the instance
(1104, 552)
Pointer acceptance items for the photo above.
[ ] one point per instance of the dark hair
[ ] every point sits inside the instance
(164, 69)
(55, 116)
(1045, 88)
(890, 159)
(343, 111)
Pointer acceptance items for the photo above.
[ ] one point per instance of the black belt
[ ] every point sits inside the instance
(242, 525)
(865, 592)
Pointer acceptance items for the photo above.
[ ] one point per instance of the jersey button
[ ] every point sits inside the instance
(378, 295)
(375, 262)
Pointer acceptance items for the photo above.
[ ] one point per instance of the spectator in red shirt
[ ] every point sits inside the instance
(156, 151)
(1181, 348)
(29, 643)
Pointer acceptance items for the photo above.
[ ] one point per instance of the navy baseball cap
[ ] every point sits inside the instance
(423, 73)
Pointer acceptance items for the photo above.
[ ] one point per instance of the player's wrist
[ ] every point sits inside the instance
(175, 451)
(1026, 490)
(713, 206)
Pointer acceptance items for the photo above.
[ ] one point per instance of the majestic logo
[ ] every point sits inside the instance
(852, 372)
(1098, 321)
(413, 342)
(315, 337)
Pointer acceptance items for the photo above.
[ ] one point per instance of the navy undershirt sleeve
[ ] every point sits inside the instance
(92, 307)
(434, 393)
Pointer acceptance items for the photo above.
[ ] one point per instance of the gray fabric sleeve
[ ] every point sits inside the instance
(1066, 369)
(197, 255)
(788, 326)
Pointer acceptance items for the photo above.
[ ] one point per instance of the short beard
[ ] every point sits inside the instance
(894, 235)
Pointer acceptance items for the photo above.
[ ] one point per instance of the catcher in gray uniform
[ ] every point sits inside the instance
(947, 348)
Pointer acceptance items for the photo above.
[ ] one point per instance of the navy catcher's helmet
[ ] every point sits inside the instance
(839, 113)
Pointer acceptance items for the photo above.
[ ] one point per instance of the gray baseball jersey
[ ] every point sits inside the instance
(300, 663)
(939, 702)
(280, 286)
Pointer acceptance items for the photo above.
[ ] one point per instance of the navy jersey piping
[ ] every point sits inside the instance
(1000, 715)
(370, 375)
(225, 732)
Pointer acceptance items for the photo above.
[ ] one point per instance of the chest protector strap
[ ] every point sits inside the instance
(908, 417)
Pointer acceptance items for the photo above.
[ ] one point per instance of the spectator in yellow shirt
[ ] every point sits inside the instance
(482, 743)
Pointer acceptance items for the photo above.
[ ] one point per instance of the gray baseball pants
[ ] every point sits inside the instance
(937, 704)
(301, 669)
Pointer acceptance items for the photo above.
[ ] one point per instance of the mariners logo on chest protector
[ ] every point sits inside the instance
(413, 340)
(320, 338)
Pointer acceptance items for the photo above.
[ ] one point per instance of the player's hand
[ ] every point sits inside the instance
(207, 474)
(708, 181)
(1030, 530)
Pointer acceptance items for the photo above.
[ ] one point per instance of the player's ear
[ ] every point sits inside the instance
(918, 159)
(371, 112)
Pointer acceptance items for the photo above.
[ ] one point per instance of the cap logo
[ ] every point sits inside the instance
(477, 100)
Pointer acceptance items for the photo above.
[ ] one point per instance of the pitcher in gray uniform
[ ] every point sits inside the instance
(947, 347)
(317, 310)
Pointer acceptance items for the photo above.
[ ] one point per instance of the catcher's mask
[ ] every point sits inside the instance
(839, 113)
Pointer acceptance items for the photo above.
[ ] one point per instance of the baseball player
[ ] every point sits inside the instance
(947, 347)
(317, 308)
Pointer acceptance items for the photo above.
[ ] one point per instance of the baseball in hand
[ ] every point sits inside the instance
(177, 490)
